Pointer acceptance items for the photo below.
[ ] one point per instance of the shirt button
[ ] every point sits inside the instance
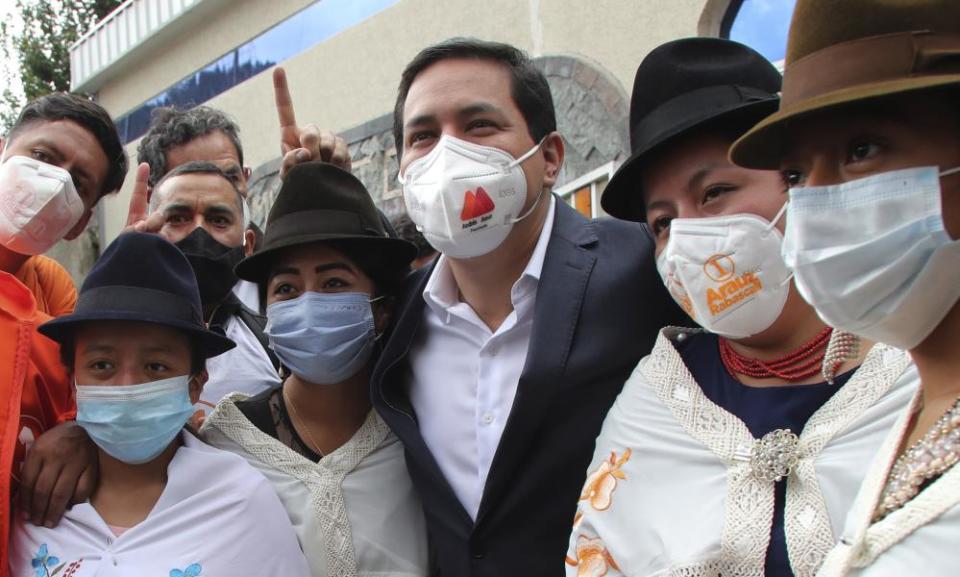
(487, 418)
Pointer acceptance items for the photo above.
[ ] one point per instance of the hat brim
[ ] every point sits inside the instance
(389, 253)
(763, 146)
(208, 343)
(623, 195)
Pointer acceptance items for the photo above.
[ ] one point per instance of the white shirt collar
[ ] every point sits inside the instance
(442, 293)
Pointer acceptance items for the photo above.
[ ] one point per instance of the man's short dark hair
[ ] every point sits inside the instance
(171, 128)
(199, 167)
(529, 87)
(89, 115)
(407, 230)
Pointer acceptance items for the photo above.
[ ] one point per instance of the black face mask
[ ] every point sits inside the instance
(212, 263)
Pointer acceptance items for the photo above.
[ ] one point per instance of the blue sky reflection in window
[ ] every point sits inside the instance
(298, 33)
(760, 24)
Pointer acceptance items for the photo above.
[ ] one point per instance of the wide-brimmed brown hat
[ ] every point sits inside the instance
(320, 202)
(839, 52)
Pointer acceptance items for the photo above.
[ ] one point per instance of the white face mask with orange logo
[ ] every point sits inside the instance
(726, 272)
(464, 197)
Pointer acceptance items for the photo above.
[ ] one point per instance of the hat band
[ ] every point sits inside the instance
(704, 103)
(307, 222)
(870, 60)
(152, 304)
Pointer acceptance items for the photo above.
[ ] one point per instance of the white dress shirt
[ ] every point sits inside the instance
(246, 368)
(465, 376)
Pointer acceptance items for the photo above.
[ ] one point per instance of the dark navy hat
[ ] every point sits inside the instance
(141, 277)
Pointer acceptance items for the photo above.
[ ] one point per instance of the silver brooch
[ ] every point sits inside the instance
(775, 455)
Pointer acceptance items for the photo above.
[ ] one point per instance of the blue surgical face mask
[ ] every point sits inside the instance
(135, 423)
(323, 338)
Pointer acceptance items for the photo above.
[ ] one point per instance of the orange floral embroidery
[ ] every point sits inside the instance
(598, 489)
(593, 559)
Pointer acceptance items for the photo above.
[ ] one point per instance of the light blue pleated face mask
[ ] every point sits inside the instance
(135, 423)
(323, 338)
(872, 256)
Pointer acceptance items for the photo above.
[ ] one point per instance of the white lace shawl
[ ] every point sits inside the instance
(683, 501)
(355, 511)
(920, 539)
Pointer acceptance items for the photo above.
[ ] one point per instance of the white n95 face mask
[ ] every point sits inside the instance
(38, 205)
(726, 272)
(465, 197)
(872, 256)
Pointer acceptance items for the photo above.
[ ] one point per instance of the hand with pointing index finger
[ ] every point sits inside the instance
(137, 219)
(302, 144)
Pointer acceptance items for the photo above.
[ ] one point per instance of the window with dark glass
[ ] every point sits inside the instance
(298, 33)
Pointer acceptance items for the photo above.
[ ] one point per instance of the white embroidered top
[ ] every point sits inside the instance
(216, 516)
(920, 539)
(355, 511)
(670, 491)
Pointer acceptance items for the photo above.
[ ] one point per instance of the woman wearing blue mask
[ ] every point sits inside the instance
(328, 271)
(737, 449)
(165, 503)
(871, 149)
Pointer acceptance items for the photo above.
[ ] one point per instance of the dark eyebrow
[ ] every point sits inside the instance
(419, 120)
(177, 207)
(159, 349)
(699, 176)
(97, 348)
(282, 270)
(319, 269)
(219, 210)
(75, 170)
(468, 110)
(333, 266)
(478, 108)
(665, 204)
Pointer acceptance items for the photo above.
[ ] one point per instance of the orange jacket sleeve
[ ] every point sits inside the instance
(51, 285)
(35, 394)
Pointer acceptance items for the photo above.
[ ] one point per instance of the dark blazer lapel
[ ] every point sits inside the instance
(388, 385)
(563, 283)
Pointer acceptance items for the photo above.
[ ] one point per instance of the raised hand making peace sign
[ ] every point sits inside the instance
(137, 217)
(302, 144)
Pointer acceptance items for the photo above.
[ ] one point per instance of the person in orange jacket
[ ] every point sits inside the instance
(61, 156)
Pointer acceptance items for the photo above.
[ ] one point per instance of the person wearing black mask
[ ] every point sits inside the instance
(203, 212)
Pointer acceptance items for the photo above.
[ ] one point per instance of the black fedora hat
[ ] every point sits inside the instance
(320, 202)
(141, 277)
(681, 86)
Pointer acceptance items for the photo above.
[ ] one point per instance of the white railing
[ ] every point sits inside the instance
(127, 27)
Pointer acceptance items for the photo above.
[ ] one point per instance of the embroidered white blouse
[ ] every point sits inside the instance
(355, 511)
(216, 516)
(920, 539)
(670, 491)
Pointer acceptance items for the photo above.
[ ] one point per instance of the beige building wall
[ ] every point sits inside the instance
(352, 77)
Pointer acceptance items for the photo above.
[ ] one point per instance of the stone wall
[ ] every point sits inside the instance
(592, 115)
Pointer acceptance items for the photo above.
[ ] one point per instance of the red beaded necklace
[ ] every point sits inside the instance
(796, 366)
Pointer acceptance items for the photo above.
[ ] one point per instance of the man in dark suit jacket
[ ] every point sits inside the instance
(504, 361)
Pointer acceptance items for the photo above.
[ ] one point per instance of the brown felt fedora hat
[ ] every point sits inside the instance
(320, 202)
(844, 51)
